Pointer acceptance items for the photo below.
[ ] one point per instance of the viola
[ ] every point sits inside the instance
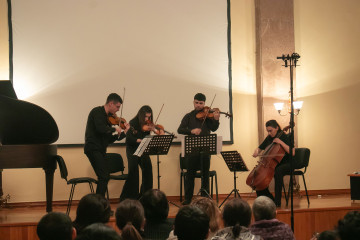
(208, 112)
(262, 174)
(115, 120)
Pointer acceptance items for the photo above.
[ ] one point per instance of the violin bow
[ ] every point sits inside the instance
(208, 111)
(122, 105)
(159, 114)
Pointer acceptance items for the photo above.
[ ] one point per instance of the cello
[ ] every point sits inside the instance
(262, 174)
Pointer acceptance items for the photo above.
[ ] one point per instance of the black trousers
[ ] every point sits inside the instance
(101, 168)
(131, 186)
(280, 171)
(197, 162)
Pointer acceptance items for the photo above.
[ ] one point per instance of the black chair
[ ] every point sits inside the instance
(73, 181)
(212, 174)
(301, 162)
(116, 165)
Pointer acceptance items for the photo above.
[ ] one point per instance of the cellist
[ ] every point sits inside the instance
(273, 128)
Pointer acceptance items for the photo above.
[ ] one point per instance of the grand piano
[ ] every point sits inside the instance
(27, 132)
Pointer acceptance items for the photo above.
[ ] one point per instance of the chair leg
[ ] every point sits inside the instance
(181, 177)
(216, 189)
(212, 187)
(307, 195)
(70, 198)
(91, 188)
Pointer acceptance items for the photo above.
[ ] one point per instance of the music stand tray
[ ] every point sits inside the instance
(201, 144)
(235, 164)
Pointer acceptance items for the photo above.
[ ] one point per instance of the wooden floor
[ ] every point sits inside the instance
(323, 213)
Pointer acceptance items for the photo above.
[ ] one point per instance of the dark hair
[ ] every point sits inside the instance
(140, 116)
(55, 226)
(98, 231)
(328, 235)
(130, 218)
(92, 208)
(191, 224)
(208, 206)
(272, 123)
(200, 97)
(113, 97)
(349, 226)
(155, 205)
(264, 208)
(236, 213)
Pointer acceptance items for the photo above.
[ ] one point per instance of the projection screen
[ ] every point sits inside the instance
(69, 55)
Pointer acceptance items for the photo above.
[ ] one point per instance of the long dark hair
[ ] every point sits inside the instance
(273, 123)
(130, 218)
(140, 116)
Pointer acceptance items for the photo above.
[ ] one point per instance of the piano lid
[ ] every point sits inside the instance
(22, 122)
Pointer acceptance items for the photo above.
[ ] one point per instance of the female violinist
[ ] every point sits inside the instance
(273, 129)
(133, 139)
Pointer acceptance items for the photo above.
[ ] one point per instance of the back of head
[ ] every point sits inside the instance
(114, 97)
(208, 206)
(349, 226)
(191, 223)
(200, 97)
(328, 235)
(55, 226)
(155, 205)
(130, 219)
(264, 208)
(92, 208)
(98, 231)
(236, 213)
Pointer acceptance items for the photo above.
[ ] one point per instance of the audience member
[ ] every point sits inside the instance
(208, 206)
(191, 223)
(328, 235)
(130, 219)
(236, 216)
(55, 226)
(349, 227)
(98, 231)
(92, 208)
(266, 225)
(156, 208)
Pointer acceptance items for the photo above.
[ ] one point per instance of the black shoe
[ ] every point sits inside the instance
(186, 202)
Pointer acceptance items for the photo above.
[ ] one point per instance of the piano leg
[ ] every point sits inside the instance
(49, 175)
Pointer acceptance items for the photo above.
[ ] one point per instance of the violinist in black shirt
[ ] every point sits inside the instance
(190, 125)
(140, 129)
(99, 134)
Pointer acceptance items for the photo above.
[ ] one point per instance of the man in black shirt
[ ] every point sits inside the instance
(99, 134)
(190, 125)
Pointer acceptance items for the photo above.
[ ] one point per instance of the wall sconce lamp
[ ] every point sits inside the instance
(297, 106)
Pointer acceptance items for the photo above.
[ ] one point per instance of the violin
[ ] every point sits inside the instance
(262, 174)
(156, 128)
(208, 112)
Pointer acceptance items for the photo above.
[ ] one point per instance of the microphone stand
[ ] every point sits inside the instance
(291, 61)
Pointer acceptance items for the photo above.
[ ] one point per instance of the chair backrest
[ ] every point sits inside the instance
(302, 156)
(184, 163)
(116, 163)
(62, 167)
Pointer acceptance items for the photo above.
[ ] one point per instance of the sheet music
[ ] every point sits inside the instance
(219, 142)
(143, 144)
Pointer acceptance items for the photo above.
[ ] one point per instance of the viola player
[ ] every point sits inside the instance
(140, 129)
(190, 125)
(99, 134)
(273, 129)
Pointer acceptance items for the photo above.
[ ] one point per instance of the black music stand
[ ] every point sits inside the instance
(235, 164)
(203, 144)
(158, 145)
